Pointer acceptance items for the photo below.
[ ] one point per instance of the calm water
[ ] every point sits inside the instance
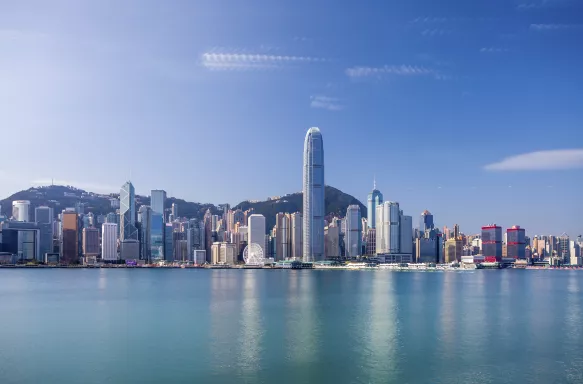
(221, 326)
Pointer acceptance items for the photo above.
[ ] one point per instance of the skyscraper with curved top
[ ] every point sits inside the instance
(313, 190)
(375, 198)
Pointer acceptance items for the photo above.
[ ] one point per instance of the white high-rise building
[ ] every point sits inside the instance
(109, 242)
(256, 231)
(406, 232)
(21, 210)
(394, 231)
(313, 197)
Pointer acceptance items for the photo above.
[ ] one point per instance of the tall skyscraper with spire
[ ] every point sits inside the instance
(128, 230)
(375, 198)
(313, 204)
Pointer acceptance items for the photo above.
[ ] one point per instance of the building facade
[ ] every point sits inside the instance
(21, 210)
(313, 197)
(109, 242)
(70, 238)
(90, 242)
(257, 230)
(492, 243)
(353, 234)
(128, 230)
(516, 242)
(375, 198)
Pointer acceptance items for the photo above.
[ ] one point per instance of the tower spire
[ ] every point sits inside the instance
(374, 182)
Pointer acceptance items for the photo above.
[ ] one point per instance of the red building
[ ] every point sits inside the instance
(492, 243)
(516, 242)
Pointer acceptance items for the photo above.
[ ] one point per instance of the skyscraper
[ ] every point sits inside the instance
(145, 220)
(515, 243)
(313, 196)
(43, 215)
(70, 238)
(157, 201)
(283, 236)
(109, 242)
(90, 242)
(426, 222)
(256, 228)
(128, 230)
(375, 198)
(20, 210)
(387, 226)
(175, 211)
(353, 234)
(296, 235)
(492, 243)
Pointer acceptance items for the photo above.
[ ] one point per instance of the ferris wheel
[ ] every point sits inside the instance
(253, 255)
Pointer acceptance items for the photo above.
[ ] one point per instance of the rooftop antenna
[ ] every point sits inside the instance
(374, 181)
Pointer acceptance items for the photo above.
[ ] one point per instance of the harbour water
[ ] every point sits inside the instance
(290, 326)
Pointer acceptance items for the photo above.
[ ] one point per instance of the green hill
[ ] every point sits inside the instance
(60, 197)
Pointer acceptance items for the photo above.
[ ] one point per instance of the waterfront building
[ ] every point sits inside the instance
(313, 196)
(492, 243)
(375, 198)
(515, 243)
(282, 236)
(195, 236)
(387, 226)
(128, 230)
(199, 256)
(156, 241)
(129, 249)
(427, 249)
(168, 242)
(353, 234)
(575, 253)
(332, 241)
(371, 242)
(22, 239)
(453, 250)
(296, 235)
(21, 210)
(44, 214)
(563, 248)
(90, 242)
(145, 220)
(109, 242)
(70, 238)
(228, 253)
(257, 231)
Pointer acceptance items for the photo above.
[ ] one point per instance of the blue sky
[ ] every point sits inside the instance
(211, 100)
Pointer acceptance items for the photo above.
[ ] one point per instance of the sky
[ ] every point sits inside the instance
(470, 109)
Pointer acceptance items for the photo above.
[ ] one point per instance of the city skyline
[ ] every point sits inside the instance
(455, 109)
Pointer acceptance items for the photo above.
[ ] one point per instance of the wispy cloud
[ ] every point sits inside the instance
(88, 186)
(402, 70)
(541, 4)
(540, 160)
(493, 50)
(554, 27)
(436, 32)
(325, 102)
(419, 20)
(228, 61)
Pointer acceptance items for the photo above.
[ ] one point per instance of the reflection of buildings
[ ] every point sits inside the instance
(250, 326)
(302, 329)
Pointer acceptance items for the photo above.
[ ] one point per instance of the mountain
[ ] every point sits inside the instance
(336, 204)
(60, 197)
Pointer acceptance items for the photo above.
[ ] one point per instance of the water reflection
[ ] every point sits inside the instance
(447, 316)
(250, 327)
(381, 330)
(302, 327)
(223, 327)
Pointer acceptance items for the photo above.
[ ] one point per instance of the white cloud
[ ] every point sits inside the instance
(553, 27)
(246, 61)
(325, 102)
(435, 32)
(540, 160)
(403, 70)
(88, 186)
(493, 50)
